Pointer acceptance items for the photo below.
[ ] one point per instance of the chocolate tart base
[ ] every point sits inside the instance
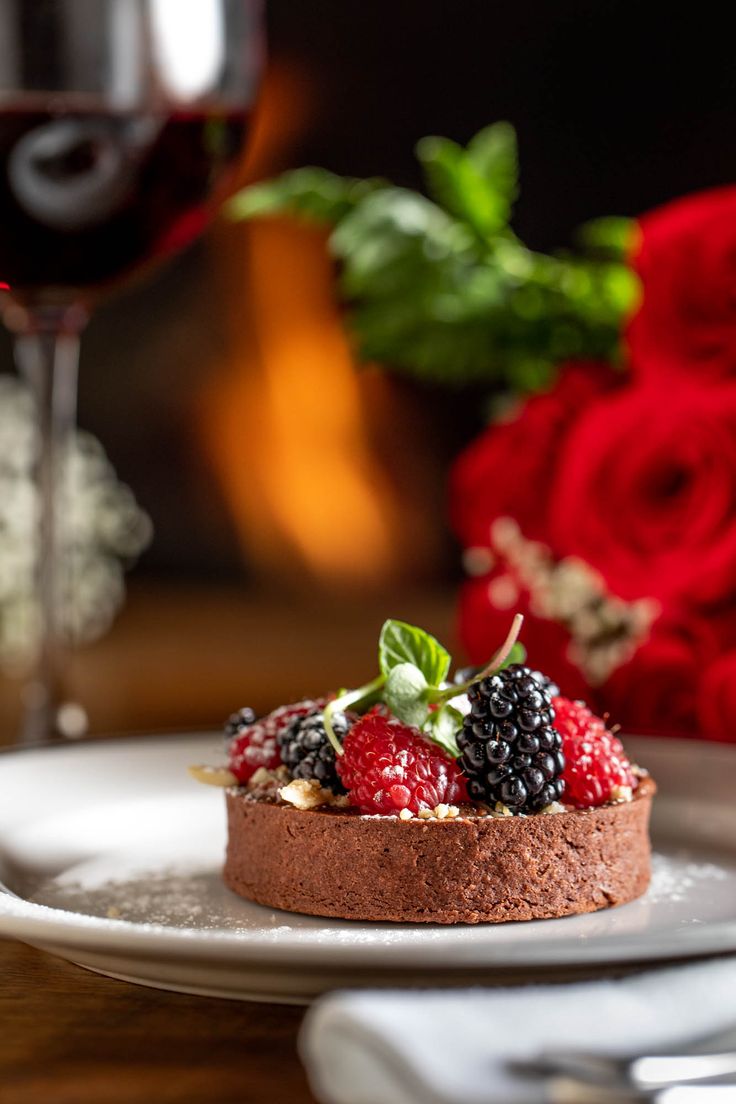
(466, 870)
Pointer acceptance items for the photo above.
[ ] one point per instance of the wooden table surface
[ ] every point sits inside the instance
(70, 1037)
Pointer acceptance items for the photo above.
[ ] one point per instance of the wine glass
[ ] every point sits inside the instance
(121, 123)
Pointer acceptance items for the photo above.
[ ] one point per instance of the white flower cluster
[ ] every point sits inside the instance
(605, 631)
(101, 531)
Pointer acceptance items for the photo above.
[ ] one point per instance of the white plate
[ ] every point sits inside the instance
(110, 856)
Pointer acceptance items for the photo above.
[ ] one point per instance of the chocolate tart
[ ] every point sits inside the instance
(470, 869)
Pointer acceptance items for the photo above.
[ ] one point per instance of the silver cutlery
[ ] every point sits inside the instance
(563, 1090)
(644, 1072)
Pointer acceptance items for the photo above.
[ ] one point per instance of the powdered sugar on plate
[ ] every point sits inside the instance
(675, 877)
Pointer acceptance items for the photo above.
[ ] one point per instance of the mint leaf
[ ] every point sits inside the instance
(313, 193)
(516, 655)
(610, 236)
(456, 184)
(477, 185)
(442, 728)
(493, 152)
(404, 694)
(445, 290)
(402, 643)
(393, 238)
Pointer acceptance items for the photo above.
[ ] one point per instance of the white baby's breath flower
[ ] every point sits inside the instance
(101, 531)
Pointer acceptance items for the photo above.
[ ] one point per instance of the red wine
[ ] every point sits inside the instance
(86, 197)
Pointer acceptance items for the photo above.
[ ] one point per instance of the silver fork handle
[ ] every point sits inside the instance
(567, 1090)
(647, 1072)
(672, 1069)
(696, 1094)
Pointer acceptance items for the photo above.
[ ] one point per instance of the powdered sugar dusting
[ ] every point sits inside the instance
(169, 898)
(676, 878)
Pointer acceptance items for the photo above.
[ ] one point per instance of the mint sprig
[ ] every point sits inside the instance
(443, 726)
(414, 667)
(441, 286)
(402, 643)
(406, 694)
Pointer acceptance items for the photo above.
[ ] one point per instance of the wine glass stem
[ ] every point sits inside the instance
(47, 357)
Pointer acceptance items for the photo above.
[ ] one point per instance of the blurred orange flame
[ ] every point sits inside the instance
(284, 423)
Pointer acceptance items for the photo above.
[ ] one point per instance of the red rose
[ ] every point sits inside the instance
(717, 699)
(658, 691)
(645, 491)
(507, 471)
(686, 258)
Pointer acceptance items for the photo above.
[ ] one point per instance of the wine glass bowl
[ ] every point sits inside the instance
(122, 123)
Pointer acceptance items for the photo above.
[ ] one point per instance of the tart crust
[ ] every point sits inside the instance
(469, 869)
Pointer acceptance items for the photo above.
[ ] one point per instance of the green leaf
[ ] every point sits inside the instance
(443, 727)
(444, 290)
(397, 242)
(516, 655)
(477, 185)
(312, 193)
(495, 154)
(400, 643)
(404, 694)
(610, 236)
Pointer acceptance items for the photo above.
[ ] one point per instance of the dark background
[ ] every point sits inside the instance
(618, 107)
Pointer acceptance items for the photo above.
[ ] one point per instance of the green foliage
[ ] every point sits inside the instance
(477, 185)
(401, 645)
(443, 727)
(441, 286)
(413, 684)
(313, 193)
(516, 655)
(405, 694)
(608, 236)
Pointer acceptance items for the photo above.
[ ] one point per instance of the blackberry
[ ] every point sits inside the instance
(236, 722)
(510, 751)
(308, 753)
(547, 684)
(465, 674)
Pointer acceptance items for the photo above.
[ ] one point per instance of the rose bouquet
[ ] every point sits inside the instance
(602, 500)
(617, 526)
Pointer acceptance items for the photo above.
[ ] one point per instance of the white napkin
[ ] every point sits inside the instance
(452, 1046)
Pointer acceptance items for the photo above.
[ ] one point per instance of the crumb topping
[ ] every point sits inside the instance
(263, 776)
(305, 793)
(554, 807)
(213, 776)
(440, 812)
(499, 810)
(620, 794)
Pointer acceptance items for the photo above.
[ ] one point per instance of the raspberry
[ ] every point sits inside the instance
(510, 750)
(256, 743)
(595, 758)
(388, 766)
